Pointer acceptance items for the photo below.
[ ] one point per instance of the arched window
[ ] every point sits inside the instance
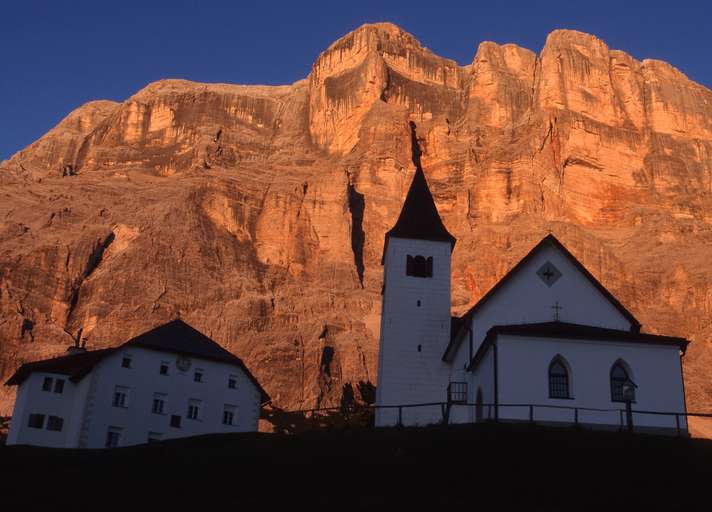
(558, 379)
(419, 266)
(619, 376)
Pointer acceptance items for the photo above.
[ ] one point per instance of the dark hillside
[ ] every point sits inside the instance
(532, 468)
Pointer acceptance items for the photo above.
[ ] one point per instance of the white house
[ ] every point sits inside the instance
(169, 382)
(547, 343)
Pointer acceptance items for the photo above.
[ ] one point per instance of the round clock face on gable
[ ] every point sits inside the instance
(183, 363)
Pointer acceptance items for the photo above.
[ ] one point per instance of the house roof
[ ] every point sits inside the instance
(75, 366)
(547, 241)
(175, 337)
(569, 331)
(419, 218)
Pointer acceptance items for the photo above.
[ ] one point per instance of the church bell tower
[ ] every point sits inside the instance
(415, 313)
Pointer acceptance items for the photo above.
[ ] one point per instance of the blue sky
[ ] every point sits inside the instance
(57, 55)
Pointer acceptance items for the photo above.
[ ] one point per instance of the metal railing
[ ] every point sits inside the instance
(494, 413)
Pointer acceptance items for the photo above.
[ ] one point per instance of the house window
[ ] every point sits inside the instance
(36, 421)
(229, 415)
(113, 437)
(198, 376)
(47, 384)
(175, 421)
(619, 376)
(126, 362)
(232, 382)
(159, 401)
(419, 266)
(154, 437)
(193, 409)
(121, 396)
(55, 423)
(558, 379)
(59, 386)
(164, 368)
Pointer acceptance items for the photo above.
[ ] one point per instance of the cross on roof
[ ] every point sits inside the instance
(556, 309)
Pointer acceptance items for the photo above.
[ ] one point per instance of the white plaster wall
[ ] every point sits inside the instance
(32, 400)
(144, 379)
(523, 365)
(481, 378)
(525, 298)
(406, 376)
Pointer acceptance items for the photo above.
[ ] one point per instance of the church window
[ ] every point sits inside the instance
(47, 384)
(558, 379)
(419, 266)
(420, 348)
(619, 376)
(457, 392)
(418, 303)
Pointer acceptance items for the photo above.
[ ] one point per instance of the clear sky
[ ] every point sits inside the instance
(56, 55)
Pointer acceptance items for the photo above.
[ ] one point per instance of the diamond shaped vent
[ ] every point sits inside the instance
(548, 273)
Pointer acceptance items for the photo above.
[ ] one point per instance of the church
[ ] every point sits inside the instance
(548, 343)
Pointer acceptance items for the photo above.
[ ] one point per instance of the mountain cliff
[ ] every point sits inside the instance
(258, 213)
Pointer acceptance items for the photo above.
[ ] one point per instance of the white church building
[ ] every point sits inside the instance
(548, 343)
(169, 382)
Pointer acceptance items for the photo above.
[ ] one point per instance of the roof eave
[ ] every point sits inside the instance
(388, 235)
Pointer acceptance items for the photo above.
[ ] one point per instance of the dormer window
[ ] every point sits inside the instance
(419, 266)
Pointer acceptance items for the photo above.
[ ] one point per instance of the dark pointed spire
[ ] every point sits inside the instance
(419, 218)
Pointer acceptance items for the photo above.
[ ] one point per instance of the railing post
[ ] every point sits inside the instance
(531, 413)
(677, 423)
(621, 417)
(400, 416)
(629, 415)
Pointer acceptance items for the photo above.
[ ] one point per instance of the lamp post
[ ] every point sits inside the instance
(628, 397)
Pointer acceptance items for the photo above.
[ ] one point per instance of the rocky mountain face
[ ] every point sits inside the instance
(257, 214)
